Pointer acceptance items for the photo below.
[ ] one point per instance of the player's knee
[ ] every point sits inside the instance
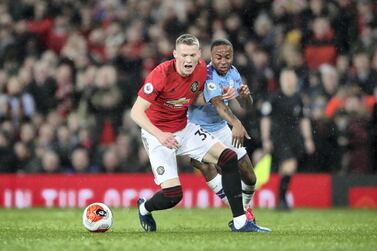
(173, 195)
(228, 161)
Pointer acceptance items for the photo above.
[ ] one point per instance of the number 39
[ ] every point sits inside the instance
(201, 133)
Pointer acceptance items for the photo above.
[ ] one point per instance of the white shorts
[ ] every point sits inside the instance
(194, 142)
(225, 136)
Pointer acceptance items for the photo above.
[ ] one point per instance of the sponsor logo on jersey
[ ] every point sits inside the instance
(160, 170)
(211, 86)
(194, 86)
(148, 88)
(178, 102)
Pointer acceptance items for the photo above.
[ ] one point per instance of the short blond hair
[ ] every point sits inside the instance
(187, 39)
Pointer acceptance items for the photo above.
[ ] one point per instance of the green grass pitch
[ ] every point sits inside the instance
(195, 229)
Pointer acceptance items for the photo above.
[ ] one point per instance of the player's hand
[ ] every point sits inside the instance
(239, 133)
(309, 146)
(228, 93)
(168, 139)
(267, 146)
(243, 91)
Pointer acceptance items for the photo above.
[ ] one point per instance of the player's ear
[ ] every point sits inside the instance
(174, 53)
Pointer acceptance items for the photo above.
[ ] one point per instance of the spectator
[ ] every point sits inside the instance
(6, 154)
(64, 89)
(80, 162)
(364, 77)
(42, 88)
(63, 145)
(110, 162)
(319, 45)
(105, 103)
(327, 156)
(16, 105)
(23, 157)
(50, 162)
(357, 137)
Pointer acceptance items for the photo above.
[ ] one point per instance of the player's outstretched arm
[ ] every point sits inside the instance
(138, 115)
(238, 130)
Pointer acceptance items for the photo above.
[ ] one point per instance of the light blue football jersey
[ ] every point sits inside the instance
(206, 116)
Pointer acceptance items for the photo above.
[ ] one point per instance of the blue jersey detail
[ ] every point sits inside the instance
(206, 116)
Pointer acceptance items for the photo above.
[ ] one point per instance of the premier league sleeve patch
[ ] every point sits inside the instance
(211, 86)
(148, 88)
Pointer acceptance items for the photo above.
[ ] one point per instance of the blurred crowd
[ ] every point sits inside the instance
(70, 71)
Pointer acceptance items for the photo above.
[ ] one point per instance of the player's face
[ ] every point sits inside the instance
(187, 57)
(222, 58)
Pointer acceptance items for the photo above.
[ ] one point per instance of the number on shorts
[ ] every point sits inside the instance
(201, 133)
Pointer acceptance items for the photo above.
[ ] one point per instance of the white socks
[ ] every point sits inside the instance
(247, 194)
(239, 221)
(216, 186)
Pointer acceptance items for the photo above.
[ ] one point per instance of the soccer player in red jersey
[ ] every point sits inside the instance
(161, 111)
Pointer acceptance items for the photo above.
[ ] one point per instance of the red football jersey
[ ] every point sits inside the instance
(170, 94)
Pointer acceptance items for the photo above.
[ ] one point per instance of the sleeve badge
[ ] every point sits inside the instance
(211, 86)
(148, 88)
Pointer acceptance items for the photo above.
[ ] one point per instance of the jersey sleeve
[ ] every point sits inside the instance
(152, 86)
(211, 90)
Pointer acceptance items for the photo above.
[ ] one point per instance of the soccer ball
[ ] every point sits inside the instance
(97, 217)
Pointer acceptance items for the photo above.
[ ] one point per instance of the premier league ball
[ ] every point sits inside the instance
(97, 217)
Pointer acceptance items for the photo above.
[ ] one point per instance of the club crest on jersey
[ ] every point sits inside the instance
(194, 86)
(160, 170)
(211, 86)
(148, 88)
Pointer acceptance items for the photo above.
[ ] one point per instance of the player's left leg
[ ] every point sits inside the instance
(169, 196)
(202, 146)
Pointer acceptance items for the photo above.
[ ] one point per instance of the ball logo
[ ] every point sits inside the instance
(101, 212)
(160, 170)
(148, 88)
(194, 86)
(211, 86)
(95, 213)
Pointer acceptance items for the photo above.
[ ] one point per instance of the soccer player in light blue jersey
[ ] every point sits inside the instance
(216, 115)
